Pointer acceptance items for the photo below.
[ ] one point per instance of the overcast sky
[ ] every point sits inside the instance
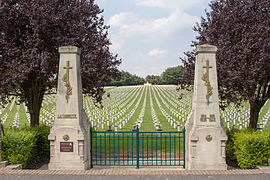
(151, 35)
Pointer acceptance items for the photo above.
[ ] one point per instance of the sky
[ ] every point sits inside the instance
(150, 35)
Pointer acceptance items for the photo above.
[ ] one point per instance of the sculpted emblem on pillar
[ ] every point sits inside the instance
(66, 81)
(207, 84)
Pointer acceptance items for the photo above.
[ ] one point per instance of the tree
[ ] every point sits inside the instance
(127, 79)
(31, 32)
(173, 75)
(153, 79)
(240, 30)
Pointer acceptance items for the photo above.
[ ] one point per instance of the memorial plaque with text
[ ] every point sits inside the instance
(66, 146)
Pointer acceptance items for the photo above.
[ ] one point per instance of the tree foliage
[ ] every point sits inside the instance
(153, 79)
(241, 31)
(127, 79)
(173, 75)
(31, 32)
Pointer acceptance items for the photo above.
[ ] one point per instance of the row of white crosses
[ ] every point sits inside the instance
(16, 121)
(122, 115)
(126, 118)
(27, 113)
(4, 118)
(265, 118)
(125, 96)
(235, 117)
(185, 102)
(12, 104)
(168, 117)
(140, 118)
(2, 109)
(47, 112)
(120, 107)
(171, 120)
(97, 113)
(155, 119)
(178, 111)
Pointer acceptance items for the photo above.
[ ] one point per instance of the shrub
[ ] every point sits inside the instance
(248, 148)
(230, 152)
(26, 146)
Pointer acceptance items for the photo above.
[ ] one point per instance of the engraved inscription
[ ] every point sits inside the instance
(66, 146)
(211, 118)
(207, 84)
(66, 81)
(203, 118)
(67, 116)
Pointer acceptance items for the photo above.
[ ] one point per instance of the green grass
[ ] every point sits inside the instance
(147, 124)
(136, 114)
(121, 147)
(23, 118)
(130, 96)
(165, 124)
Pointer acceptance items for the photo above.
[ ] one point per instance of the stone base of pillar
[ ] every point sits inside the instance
(70, 149)
(3, 164)
(207, 149)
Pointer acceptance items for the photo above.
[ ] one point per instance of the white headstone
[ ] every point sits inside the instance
(70, 134)
(205, 133)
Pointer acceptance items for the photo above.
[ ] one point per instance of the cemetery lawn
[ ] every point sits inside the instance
(149, 107)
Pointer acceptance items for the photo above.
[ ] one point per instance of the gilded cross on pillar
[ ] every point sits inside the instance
(207, 84)
(66, 81)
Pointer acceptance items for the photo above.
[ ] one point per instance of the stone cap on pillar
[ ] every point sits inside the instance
(206, 48)
(69, 49)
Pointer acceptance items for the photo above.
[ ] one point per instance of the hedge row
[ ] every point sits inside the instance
(30, 146)
(26, 146)
(248, 149)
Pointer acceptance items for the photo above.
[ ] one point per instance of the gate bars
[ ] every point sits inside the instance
(135, 148)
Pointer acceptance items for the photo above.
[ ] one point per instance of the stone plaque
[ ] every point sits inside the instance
(204, 118)
(66, 146)
(67, 116)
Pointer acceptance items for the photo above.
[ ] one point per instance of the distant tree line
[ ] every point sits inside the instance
(127, 79)
(171, 75)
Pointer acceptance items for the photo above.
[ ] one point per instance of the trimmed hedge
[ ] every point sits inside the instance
(26, 146)
(247, 148)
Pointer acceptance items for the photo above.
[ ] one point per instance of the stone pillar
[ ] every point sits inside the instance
(70, 134)
(205, 133)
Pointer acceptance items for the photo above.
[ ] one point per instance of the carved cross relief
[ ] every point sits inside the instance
(66, 81)
(207, 84)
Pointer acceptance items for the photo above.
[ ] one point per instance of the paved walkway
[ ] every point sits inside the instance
(147, 177)
(130, 173)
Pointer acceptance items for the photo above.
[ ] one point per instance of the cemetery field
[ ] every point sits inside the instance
(152, 108)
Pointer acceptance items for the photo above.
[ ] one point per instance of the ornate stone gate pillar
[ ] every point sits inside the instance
(70, 134)
(205, 133)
